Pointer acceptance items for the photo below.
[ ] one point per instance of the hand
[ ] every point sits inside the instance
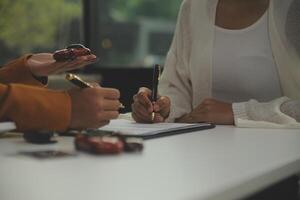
(142, 107)
(93, 107)
(43, 64)
(210, 110)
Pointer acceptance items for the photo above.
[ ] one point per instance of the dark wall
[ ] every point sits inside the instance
(127, 80)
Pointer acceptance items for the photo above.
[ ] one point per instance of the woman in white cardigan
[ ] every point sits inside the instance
(231, 62)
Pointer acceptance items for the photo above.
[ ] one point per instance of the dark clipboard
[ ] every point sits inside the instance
(160, 133)
(178, 131)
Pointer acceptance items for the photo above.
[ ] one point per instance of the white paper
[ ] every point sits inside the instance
(132, 128)
(7, 126)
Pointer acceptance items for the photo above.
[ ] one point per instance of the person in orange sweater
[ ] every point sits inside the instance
(25, 99)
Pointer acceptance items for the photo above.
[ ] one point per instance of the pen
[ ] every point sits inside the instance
(76, 80)
(155, 80)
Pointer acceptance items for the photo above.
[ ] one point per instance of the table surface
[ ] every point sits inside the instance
(221, 163)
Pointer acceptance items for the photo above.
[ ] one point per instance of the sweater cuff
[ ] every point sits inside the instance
(172, 115)
(17, 71)
(239, 111)
(35, 108)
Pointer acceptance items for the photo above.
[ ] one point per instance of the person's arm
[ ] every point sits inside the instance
(35, 108)
(279, 113)
(34, 69)
(17, 71)
(175, 82)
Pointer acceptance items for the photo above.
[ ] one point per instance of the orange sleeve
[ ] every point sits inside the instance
(17, 71)
(35, 108)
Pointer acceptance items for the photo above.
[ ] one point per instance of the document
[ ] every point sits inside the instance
(128, 127)
(7, 126)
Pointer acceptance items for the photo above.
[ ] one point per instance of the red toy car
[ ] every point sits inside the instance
(99, 144)
(71, 52)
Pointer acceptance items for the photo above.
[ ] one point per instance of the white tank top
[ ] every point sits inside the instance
(243, 64)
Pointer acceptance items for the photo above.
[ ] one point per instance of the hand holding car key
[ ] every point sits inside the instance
(71, 52)
(73, 57)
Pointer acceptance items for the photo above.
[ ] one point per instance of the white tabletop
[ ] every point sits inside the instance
(222, 163)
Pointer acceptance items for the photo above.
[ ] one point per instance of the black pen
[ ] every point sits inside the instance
(76, 80)
(155, 80)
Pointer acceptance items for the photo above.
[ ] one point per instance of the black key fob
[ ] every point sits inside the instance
(39, 137)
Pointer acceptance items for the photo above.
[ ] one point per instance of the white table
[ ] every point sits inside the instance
(222, 163)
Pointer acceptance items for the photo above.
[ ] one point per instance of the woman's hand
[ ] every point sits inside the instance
(142, 107)
(210, 110)
(43, 64)
(93, 107)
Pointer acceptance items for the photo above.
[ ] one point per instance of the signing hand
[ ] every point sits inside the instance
(93, 107)
(43, 64)
(210, 110)
(142, 107)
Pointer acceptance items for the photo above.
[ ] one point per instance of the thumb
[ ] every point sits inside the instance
(95, 84)
(162, 106)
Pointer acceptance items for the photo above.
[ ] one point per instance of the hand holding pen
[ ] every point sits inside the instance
(76, 80)
(148, 106)
(92, 107)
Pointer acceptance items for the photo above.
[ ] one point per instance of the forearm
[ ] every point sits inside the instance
(17, 71)
(34, 108)
(174, 84)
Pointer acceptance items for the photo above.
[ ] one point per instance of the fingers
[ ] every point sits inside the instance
(142, 106)
(79, 62)
(211, 110)
(109, 93)
(143, 96)
(108, 115)
(107, 98)
(138, 118)
(145, 91)
(162, 106)
(111, 105)
(95, 84)
(87, 58)
(44, 64)
(98, 124)
(192, 118)
(56, 67)
(158, 118)
(141, 113)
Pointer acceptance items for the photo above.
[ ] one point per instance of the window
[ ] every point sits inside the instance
(131, 33)
(38, 26)
(123, 33)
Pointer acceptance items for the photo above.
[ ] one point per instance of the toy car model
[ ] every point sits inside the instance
(99, 144)
(71, 52)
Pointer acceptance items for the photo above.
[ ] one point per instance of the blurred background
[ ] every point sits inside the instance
(129, 36)
(131, 33)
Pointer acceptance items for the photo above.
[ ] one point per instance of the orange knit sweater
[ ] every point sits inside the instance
(24, 100)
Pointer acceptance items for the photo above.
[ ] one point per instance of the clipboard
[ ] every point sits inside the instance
(129, 128)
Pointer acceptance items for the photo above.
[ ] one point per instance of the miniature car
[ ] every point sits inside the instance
(71, 52)
(99, 144)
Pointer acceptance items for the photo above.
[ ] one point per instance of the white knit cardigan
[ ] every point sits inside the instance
(187, 76)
